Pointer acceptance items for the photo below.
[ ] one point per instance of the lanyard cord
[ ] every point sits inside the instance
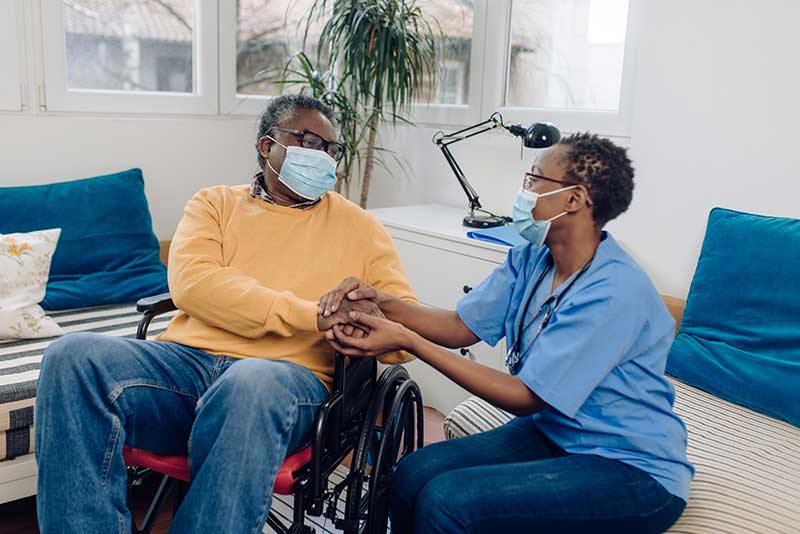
(551, 302)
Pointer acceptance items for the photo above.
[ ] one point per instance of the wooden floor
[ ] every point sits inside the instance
(19, 517)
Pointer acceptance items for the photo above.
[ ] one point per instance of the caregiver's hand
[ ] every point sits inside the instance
(384, 336)
(342, 317)
(353, 289)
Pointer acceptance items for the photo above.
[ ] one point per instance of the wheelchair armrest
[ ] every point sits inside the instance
(156, 305)
(150, 307)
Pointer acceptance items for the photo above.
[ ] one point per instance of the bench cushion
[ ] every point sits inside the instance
(748, 464)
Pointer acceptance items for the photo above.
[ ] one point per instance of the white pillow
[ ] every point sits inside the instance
(24, 268)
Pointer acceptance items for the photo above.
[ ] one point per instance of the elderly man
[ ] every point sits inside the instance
(240, 371)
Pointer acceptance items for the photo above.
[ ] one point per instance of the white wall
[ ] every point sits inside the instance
(716, 123)
(178, 155)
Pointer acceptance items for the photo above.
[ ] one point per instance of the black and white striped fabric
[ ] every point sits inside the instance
(20, 361)
(748, 464)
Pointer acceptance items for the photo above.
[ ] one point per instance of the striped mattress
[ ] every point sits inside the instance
(748, 464)
(20, 361)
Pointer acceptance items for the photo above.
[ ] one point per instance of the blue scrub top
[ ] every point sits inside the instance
(599, 363)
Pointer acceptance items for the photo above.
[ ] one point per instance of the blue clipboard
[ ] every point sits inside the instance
(499, 235)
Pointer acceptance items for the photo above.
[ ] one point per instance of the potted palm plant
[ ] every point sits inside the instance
(381, 55)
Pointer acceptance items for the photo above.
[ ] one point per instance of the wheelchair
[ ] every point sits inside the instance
(378, 420)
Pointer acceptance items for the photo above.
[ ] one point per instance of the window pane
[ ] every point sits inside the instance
(269, 33)
(567, 54)
(454, 20)
(130, 45)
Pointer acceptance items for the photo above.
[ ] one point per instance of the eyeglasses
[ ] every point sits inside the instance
(309, 139)
(532, 180)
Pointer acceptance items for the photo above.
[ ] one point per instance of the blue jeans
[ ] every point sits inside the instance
(238, 418)
(514, 479)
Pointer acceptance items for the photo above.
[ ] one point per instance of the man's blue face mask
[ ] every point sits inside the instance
(529, 228)
(309, 173)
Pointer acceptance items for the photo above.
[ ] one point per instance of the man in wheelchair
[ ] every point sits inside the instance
(237, 378)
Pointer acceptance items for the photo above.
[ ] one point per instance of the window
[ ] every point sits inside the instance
(454, 20)
(456, 96)
(567, 54)
(267, 34)
(131, 55)
(10, 49)
(567, 62)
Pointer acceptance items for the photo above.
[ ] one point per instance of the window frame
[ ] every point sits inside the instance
(215, 75)
(204, 100)
(606, 123)
(12, 61)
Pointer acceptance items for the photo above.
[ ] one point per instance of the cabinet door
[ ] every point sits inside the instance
(440, 392)
(439, 277)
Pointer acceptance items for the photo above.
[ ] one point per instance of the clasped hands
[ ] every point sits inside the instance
(354, 323)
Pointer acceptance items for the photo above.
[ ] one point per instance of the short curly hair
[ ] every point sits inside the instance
(280, 109)
(606, 171)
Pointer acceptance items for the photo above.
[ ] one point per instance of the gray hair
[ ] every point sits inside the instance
(280, 109)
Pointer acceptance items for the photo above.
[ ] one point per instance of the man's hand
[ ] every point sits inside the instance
(351, 289)
(342, 317)
(384, 336)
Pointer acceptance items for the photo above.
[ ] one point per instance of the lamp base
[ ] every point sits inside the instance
(483, 221)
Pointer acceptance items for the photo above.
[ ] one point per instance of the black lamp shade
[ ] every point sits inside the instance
(541, 135)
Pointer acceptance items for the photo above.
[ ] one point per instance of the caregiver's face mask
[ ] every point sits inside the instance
(310, 173)
(529, 228)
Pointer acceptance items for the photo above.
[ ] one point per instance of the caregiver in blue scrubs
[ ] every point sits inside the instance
(596, 447)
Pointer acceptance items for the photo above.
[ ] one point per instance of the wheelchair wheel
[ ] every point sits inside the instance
(403, 423)
(398, 399)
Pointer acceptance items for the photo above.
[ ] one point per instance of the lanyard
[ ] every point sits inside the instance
(514, 355)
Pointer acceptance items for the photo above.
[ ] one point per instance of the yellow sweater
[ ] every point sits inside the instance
(247, 275)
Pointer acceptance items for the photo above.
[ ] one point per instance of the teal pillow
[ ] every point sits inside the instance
(107, 252)
(740, 335)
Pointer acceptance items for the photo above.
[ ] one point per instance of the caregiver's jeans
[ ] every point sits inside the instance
(515, 480)
(238, 418)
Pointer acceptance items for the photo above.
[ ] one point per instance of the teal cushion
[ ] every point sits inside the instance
(740, 335)
(107, 252)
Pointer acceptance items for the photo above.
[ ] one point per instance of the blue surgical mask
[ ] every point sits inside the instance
(309, 173)
(529, 228)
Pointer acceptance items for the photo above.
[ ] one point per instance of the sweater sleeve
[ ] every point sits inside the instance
(222, 296)
(385, 273)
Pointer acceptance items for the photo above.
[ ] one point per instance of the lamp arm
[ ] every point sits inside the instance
(443, 141)
(472, 195)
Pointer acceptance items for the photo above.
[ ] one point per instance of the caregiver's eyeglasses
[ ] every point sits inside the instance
(532, 180)
(309, 139)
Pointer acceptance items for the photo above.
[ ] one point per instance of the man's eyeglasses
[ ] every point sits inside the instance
(309, 139)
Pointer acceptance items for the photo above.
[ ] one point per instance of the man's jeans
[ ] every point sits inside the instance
(238, 418)
(515, 480)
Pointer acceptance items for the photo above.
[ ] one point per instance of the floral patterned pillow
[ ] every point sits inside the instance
(24, 268)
